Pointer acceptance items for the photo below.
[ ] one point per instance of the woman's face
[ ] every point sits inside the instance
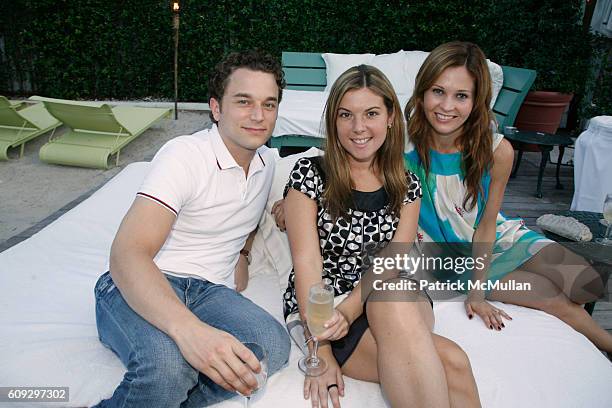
(361, 122)
(449, 101)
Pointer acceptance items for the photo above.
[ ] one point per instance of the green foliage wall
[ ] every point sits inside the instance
(124, 48)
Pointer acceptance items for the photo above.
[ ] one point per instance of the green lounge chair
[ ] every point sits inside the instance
(517, 82)
(305, 71)
(17, 104)
(20, 126)
(96, 131)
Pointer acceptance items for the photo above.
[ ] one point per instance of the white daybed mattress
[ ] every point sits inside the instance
(48, 334)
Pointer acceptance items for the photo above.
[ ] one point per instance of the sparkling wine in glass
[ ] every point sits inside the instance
(320, 309)
(262, 376)
(607, 213)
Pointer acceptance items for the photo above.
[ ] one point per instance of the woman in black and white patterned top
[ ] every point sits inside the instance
(346, 244)
(343, 208)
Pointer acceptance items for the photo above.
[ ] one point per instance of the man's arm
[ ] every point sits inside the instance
(213, 352)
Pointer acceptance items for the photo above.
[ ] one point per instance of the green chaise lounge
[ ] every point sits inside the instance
(18, 126)
(95, 131)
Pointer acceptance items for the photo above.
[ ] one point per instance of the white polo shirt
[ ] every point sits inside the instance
(216, 206)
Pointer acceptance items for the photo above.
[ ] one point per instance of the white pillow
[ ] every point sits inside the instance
(336, 64)
(412, 63)
(392, 65)
(497, 79)
(275, 242)
(261, 264)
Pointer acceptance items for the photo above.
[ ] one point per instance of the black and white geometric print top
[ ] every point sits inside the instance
(346, 243)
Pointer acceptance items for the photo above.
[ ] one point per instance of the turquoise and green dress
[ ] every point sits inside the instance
(444, 220)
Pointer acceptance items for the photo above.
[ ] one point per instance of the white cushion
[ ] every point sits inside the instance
(49, 336)
(401, 68)
(412, 63)
(497, 79)
(336, 64)
(392, 65)
(274, 240)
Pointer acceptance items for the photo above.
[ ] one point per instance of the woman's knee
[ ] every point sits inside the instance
(411, 315)
(588, 286)
(560, 306)
(453, 357)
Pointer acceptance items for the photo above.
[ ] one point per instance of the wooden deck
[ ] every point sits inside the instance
(520, 201)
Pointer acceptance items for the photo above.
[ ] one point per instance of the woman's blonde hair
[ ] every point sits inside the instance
(388, 161)
(475, 140)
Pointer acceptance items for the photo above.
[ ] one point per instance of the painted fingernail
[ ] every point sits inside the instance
(491, 326)
(503, 325)
(470, 316)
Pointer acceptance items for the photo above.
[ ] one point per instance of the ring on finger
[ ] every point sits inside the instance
(331, 386)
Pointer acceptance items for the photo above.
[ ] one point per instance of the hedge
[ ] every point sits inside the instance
(123, 49)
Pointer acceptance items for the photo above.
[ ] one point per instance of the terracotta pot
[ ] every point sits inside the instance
(542, 111)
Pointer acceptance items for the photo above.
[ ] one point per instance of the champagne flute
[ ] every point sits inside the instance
(320, 309)
(607, 213)
(262, 376)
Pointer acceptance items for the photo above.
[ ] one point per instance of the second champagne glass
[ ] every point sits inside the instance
(320, 309)
(262, 376)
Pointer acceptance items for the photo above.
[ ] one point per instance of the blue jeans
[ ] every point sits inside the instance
(157, 374)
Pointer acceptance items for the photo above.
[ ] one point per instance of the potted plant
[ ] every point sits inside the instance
(560, 52)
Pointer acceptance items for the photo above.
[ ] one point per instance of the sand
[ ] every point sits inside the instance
(30, 190)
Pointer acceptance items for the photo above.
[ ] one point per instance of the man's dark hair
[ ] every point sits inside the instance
(254, 60)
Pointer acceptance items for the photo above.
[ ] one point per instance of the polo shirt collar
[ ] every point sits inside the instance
(225, 160)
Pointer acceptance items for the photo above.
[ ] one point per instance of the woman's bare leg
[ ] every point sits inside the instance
(409, 368)
(548, 297)
(462, 389)
(414, 366)
(570, 272)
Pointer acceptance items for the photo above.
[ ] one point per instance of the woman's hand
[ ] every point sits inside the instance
(329, 385)
(335, 328)
(279, 214)
(490, 315)
(241, 274)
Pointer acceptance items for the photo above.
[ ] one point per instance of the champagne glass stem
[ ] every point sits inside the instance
(315, 359)
(247, 402)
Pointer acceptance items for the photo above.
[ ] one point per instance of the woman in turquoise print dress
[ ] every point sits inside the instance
(464, 166)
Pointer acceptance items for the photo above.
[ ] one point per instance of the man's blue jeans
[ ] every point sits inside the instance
(157, 374)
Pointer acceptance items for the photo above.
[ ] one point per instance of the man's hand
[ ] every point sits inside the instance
(241, 274)
(219, 356)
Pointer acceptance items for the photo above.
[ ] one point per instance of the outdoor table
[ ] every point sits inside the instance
(600, 256)
(545, 143)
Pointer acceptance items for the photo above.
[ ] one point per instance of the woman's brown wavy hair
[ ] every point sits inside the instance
(475, 141)
(389, 159)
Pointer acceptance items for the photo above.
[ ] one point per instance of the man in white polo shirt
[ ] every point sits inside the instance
(167, 307)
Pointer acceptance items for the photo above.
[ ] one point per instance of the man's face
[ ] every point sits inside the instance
(247, 112)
